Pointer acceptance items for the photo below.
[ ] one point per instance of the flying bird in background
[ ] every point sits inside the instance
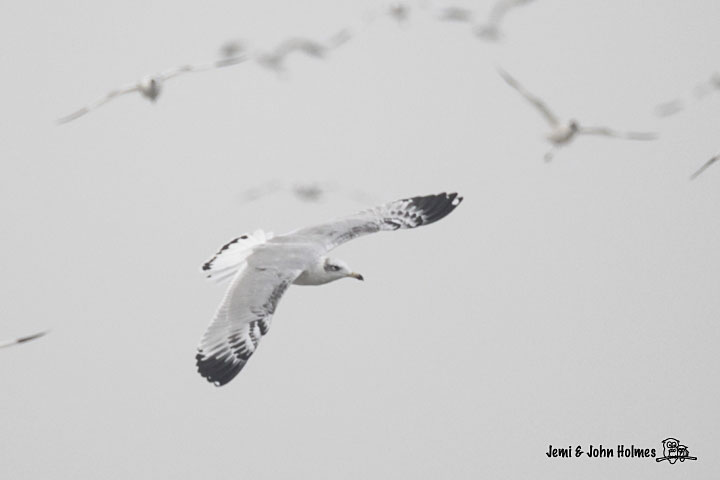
(399, 11)
(699, 92)
(275, 59)
(455, 14)
(563, 132)
(233, 48)
(711, 85)
(670, 108)
(705, 166)
(310, 192)
(17, 341)
(490, 30)
(260, 268)
(151, 85)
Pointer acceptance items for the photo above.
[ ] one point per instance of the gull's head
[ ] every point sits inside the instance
(150, 87)
(574, 125)
(337, 269)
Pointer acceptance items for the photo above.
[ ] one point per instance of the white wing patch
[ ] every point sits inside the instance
(230, 259)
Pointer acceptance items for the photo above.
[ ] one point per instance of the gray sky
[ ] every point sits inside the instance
(565, 304)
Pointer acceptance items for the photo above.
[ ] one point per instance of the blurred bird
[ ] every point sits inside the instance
(455, 14)
(151, 85)
(490, 30)
(399, 11)
(705, 166)
(261, 267)
(275, 59)
(310, 192)
(341, 38)
(563, 132)
(9, 343)
(699, 92)
(233, 48)
(709, 86)
(669, 108)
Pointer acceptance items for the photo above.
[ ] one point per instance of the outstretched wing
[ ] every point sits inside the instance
(100, 102)
(501, 8)
(406, 213)
(668, 108)
(9, 343)
(455, 14)
(491, 29)
(203, 67)
(705, 166)
(241, 321)
(551, 118)
(608, 132)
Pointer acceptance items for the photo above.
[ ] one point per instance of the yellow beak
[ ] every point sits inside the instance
(356, 275)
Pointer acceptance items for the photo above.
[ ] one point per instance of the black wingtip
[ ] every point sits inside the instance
(435, 207)
(218, 371)
(31, 337)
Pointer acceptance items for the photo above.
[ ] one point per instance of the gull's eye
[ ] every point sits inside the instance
(332, 268)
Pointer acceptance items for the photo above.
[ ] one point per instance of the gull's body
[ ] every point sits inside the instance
(399, 11)
(233, 48)
(705, 166)
(564, 131)
(17, 341)
(261, 267)
(151, 86)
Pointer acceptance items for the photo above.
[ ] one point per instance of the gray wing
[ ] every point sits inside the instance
(501, 8)
(100, 102)
(309, 47)
(406, 213)
(551, 118)
(243, 318)
(455, 14)
(16, 341)
(491, 29)
(203, 67)
(608, 132)
(275, 60)
(669, 108)
(705, 166)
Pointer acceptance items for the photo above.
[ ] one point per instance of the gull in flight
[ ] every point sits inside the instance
(151, 85)
(670, 108)
(491, 29)
(260, 267)
(455, 14)
(399, 11)
(233, 48)
(700, 91)
(707, 87)
(275, 59)
(307, 192)
(705, 166)
(16, 341)
(563, 132)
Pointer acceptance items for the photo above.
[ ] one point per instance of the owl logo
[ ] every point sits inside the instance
(674, 451)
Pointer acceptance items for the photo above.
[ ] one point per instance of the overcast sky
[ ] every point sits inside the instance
(570, 303)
